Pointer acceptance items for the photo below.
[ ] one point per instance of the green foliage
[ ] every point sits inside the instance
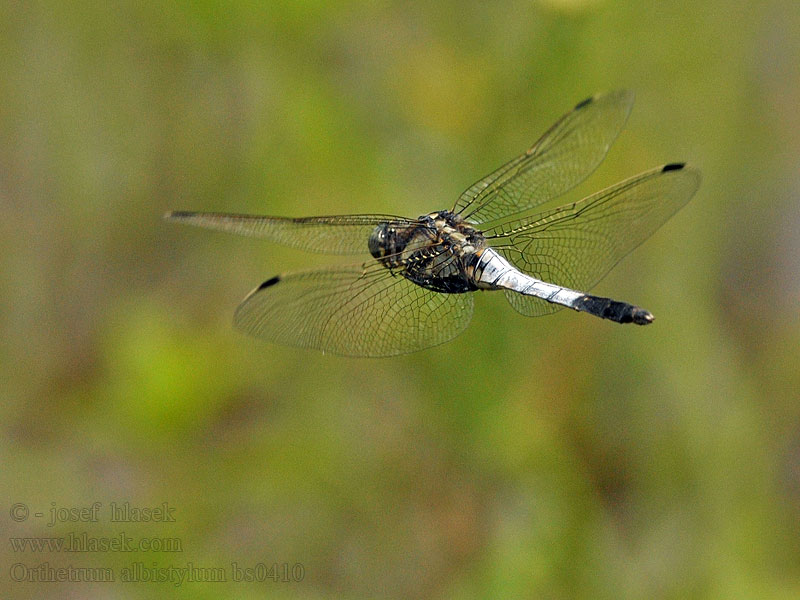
(561, 457)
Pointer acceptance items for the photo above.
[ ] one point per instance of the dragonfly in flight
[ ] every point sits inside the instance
(415, 291)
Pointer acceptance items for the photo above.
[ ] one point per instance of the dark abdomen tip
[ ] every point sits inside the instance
(613, 310)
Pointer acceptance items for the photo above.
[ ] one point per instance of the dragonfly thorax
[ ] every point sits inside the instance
(434, 251)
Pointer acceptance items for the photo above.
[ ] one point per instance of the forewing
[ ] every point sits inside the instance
(577, 245)
(360, 310)
(564, 156)
(343, 234)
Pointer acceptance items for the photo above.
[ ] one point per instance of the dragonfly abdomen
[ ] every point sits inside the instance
(492, 272)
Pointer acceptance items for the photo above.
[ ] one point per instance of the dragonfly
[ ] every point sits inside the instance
(415, 290)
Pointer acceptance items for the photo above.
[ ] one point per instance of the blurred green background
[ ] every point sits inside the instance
(560, 457)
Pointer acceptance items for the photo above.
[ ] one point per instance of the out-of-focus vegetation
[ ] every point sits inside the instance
(560, 457)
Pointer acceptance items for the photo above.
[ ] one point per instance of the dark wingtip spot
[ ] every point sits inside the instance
(583, 103)
(673, 167)
(269, 282)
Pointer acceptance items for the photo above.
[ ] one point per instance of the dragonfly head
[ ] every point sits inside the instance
(377, 240)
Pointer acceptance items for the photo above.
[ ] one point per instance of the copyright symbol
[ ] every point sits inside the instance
(19, 512)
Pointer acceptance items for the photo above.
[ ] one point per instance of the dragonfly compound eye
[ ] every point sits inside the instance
(377, 241)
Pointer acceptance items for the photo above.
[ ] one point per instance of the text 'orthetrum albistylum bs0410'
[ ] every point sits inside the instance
(415, 290)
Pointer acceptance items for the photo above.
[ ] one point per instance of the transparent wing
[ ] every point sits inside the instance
(360, 310)
(576, 245)
(560, 160)
(343, 234)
